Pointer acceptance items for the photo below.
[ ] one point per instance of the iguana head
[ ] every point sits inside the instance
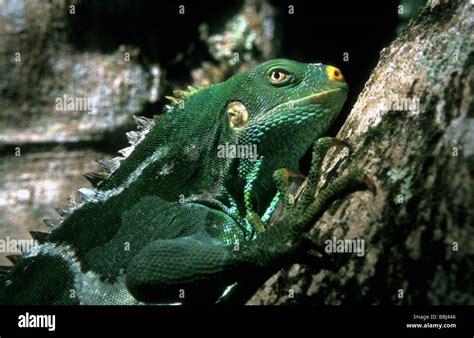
(278, 109)
(283, 106)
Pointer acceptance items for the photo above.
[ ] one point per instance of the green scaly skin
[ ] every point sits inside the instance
(177, 222)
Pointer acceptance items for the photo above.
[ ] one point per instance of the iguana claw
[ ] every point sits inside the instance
(370, 184)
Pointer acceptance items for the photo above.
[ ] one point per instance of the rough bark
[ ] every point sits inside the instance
(418, 228)
(421, 160)
(46, 150)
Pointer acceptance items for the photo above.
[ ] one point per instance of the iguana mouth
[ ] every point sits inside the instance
(314, 98)
(307, 100)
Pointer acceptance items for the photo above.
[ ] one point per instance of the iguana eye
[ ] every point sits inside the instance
(277, 76)
(237, 114)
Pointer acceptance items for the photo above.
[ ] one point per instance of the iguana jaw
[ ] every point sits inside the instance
(328, 94)
(335, 95)
(319, 97)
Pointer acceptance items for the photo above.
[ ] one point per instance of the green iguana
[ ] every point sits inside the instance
(182, 218)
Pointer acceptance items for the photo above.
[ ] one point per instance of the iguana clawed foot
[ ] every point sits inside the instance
(320, 149)
(299, 214)
(310, 253)
(281, 179)
(307, 190)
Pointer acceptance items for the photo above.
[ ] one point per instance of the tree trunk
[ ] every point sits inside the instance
(412, 128)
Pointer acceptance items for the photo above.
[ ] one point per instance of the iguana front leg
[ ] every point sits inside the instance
(286, 239)
(166, 269)
(296, 220)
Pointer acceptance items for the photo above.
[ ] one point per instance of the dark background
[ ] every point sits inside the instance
(319, 31)
(411, 238)
(80, 54)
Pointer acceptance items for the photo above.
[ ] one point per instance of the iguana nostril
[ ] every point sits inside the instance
(334, 74)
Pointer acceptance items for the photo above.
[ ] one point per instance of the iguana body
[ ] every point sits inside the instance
(179, 222)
